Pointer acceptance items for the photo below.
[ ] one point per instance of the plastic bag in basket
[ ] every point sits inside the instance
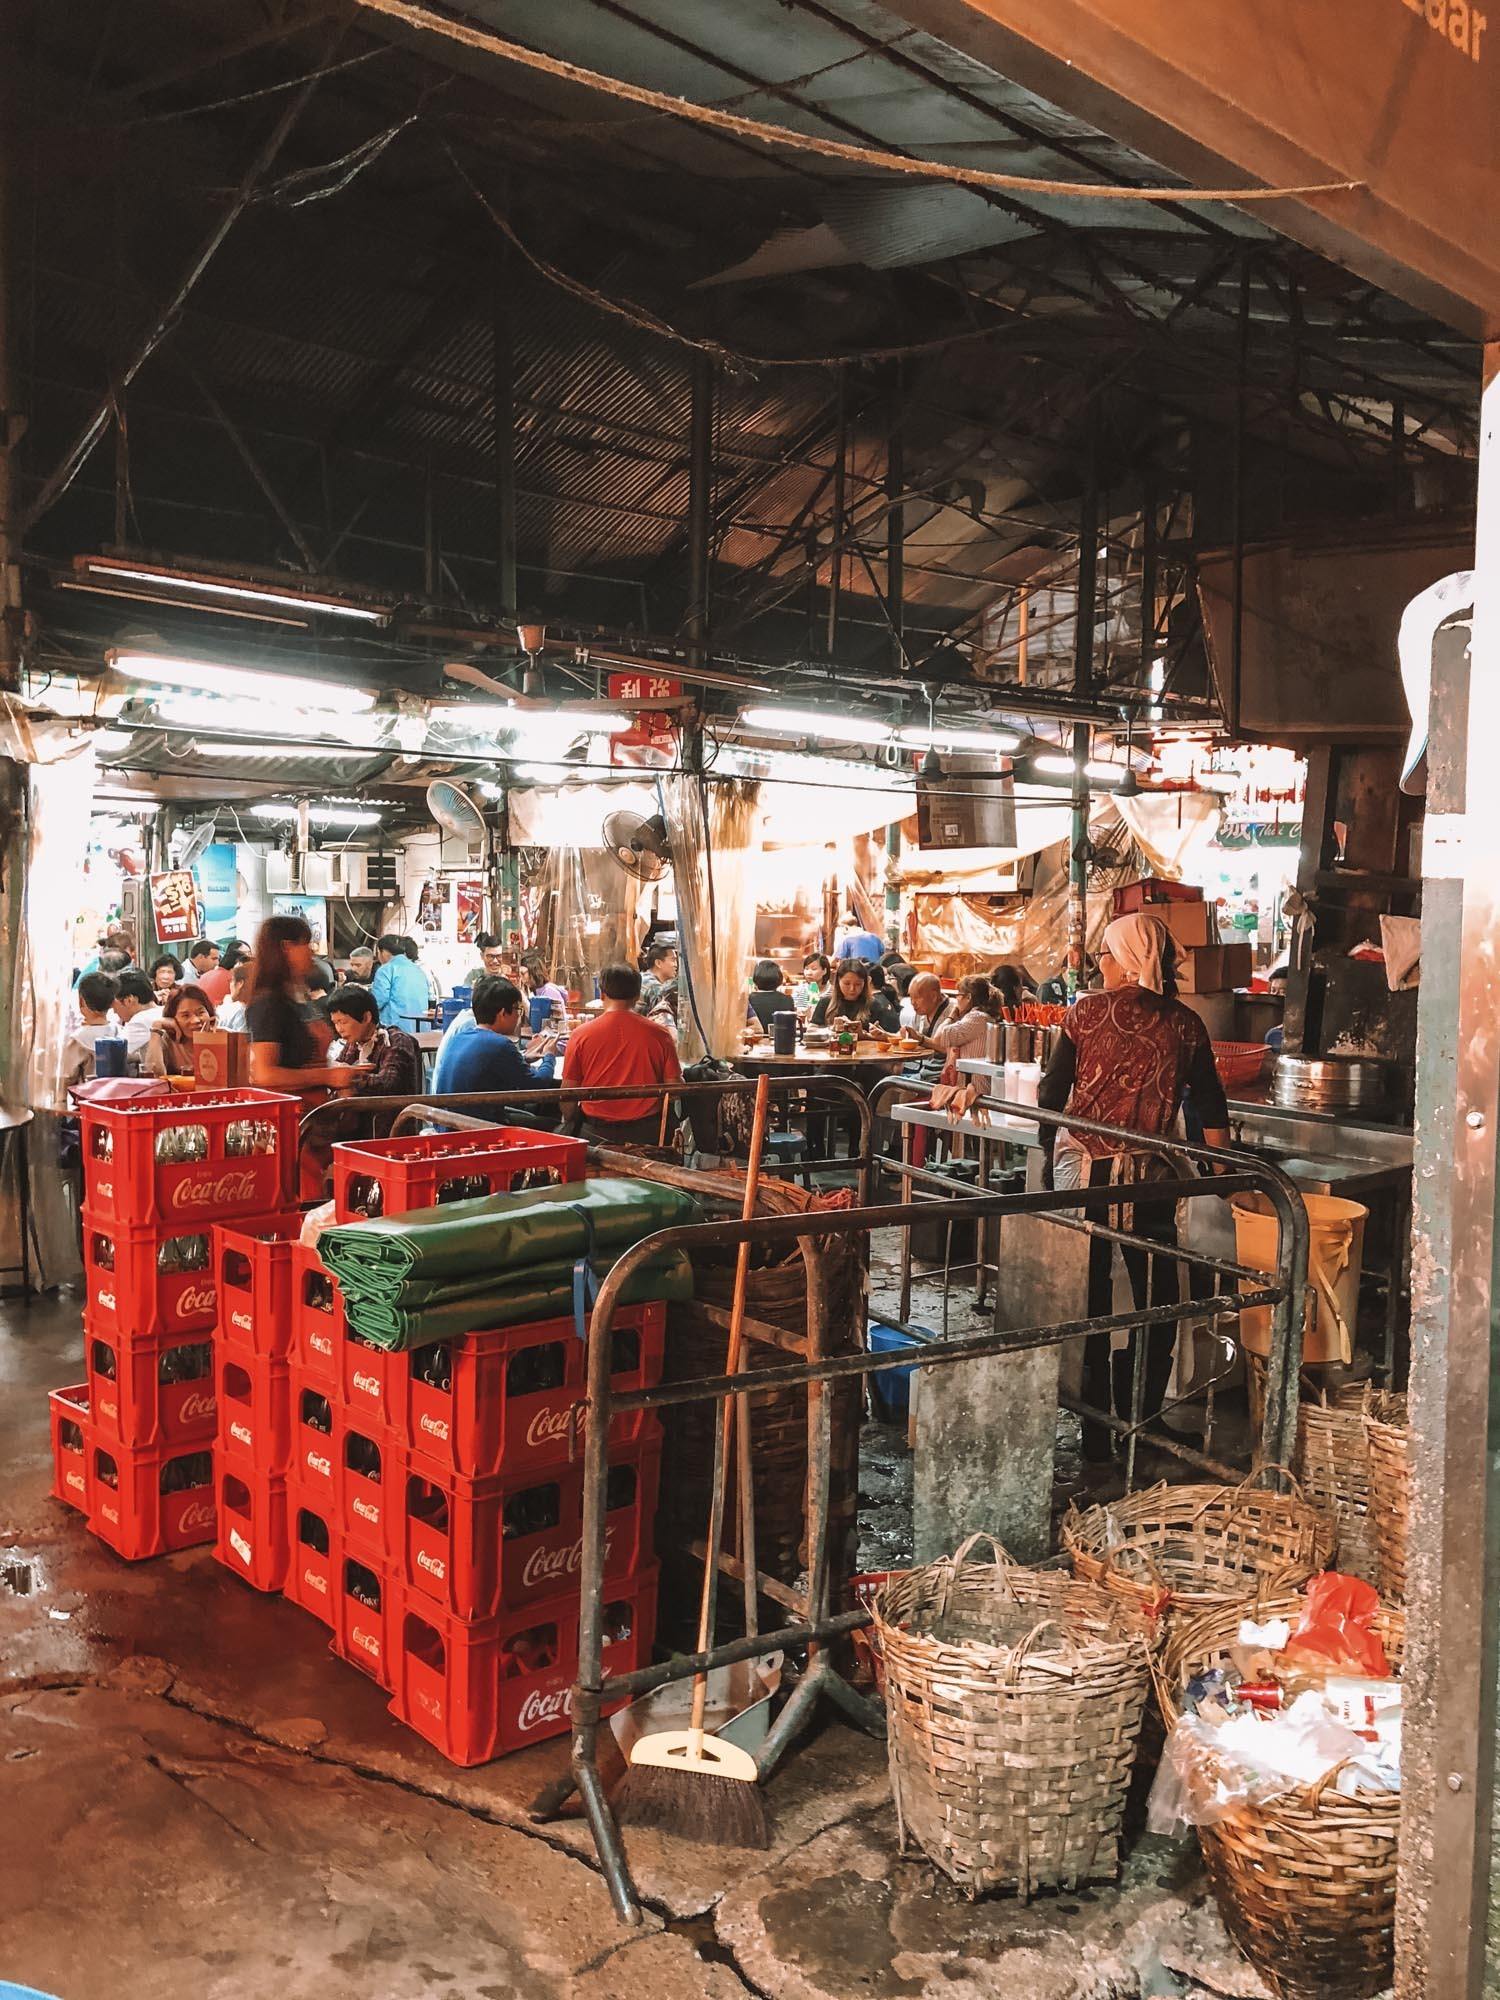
(1336, 1632)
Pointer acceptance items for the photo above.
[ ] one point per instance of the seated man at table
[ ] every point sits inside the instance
(489, 1057)
(621, 1047)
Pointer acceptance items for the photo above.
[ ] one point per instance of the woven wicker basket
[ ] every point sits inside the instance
(1010, 1762)
(1333, 1464)
(1193, 1547)
(1306, 1884)
(1390, 1493)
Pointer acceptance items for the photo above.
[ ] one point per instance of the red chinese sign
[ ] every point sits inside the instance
(651, 740)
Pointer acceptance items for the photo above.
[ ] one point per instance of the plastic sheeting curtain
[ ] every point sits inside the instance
(42, 855)
(715, 837)
(585, 915)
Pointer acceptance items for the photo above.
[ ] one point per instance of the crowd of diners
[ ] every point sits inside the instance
(1131, 1055)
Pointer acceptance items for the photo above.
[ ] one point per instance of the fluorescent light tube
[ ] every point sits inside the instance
(831, 727)
(1001, 741)
(213, 677)
(319, 815)
(239, 588)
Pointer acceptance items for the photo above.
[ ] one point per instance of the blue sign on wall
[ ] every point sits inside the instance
(218, 888)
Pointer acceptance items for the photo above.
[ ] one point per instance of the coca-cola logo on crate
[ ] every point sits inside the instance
(198, 1514)
(105, 1301)
(551, 1424)
(544, 1705)
(548, 1564)
(198, 1299)
(243, 1321)
(213, 1190)
(200, 1403)
(367, 1385)
(434, 1427)
(434, 1565)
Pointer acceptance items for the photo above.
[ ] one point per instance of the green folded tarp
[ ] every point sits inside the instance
(545, 1291)
(501, 1234)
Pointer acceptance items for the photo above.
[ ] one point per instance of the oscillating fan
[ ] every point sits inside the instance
(638, 844)
(455, 811)
(188, 842)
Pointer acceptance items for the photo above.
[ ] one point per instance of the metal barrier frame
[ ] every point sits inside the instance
(1227, 1173)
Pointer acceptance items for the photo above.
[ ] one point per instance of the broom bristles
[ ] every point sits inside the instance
(701, 1806)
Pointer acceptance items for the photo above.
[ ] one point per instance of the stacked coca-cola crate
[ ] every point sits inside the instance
(434, 1496)
(133, 1446)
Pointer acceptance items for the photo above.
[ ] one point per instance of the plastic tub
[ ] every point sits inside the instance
(892, 1387)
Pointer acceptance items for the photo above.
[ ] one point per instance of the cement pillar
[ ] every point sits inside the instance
(987, 1429)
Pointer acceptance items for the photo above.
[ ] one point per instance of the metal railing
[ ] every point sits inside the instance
(827, 1620)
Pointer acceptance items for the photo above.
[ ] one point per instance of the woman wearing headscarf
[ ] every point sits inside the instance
(1126, 1057)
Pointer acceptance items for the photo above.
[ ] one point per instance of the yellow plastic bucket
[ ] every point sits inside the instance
(1335, 1254)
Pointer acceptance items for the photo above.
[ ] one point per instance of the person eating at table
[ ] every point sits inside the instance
(961, 1027)
(849, 1002)
(383, 1062)
(768, 996)
(621, 1047)
(400, 985)
(817, 979)
(885, 1002)
(489, 1057)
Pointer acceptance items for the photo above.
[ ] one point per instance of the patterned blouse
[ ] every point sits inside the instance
(1125, 1059)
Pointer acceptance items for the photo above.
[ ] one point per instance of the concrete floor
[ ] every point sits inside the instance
(202, 1804)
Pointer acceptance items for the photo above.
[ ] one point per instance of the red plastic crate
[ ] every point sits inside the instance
(255, 1409)
(151, 1391)
(370, 1480)
(253, 1274)
(477, 1691)
(318, 1324)
(362, 1631)
(370, 1381)
(313, 1553)
(480, 1547)
(1154, 889)
(512, 1392)
(313, 1457)
(128, 1509)
(137, 1284)
(394, 1176)
(68, 1414)
(127, 1179)
(251, 1537)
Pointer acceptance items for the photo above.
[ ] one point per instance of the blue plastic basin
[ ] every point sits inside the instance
(892, 1387)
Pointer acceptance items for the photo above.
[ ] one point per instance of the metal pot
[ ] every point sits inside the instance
(1330, 1083)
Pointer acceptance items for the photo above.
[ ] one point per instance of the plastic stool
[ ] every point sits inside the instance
(787, 1150)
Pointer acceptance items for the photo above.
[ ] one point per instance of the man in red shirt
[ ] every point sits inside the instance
(621, 1047)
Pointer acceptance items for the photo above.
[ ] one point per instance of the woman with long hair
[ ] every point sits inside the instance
(1126, 1057)
(849, 1001)
(185, 1013)
(289, 1033)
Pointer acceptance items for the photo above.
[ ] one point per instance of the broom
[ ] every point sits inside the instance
(684, 1781)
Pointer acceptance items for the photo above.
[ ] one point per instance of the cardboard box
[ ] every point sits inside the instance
(1189, 924)
(221, 1059)
(1152, 891)
(1214, 968)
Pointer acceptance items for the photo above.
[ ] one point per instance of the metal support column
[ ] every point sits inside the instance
(700, 509)
(895, 526)
(504, 399)
(892, 886)
(1452, 1583)
(1083, 683)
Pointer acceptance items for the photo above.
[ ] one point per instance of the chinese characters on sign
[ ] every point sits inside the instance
(651, 740)
(174, 905)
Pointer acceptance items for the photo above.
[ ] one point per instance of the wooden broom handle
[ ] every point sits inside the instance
(715, 1536)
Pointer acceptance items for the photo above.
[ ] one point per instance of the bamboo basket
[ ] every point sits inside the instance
(1196, 1547)
(1333, 1464)
(1306, 1884)
(1390, 1493)
(1010, 1761)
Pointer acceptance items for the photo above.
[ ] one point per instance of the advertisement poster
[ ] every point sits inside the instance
(174, 906)
(650, 743)
(218, 888)
(313, 911)
(470, 908)
(430, 908)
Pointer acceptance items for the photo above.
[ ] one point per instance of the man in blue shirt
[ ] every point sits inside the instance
(860, 944)
(400, 986)
(488, 1058)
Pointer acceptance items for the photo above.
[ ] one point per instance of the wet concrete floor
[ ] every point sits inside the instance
(203, 1804)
